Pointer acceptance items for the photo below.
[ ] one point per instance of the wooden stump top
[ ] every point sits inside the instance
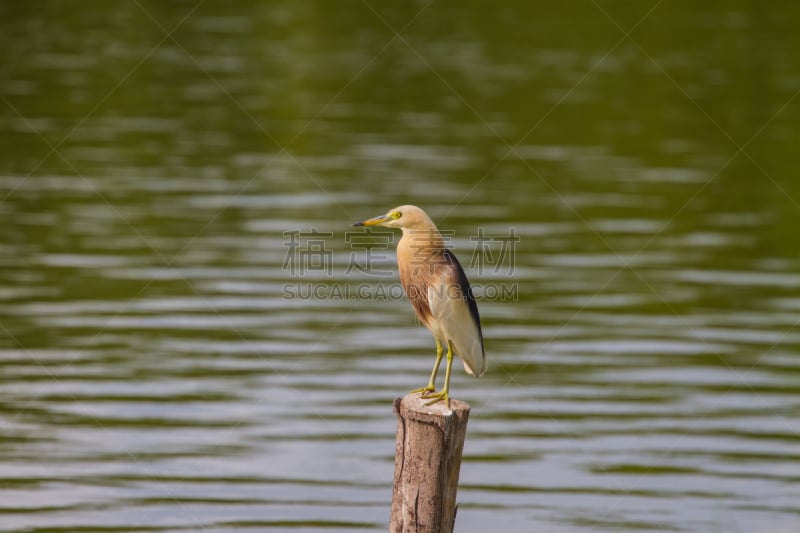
(413, 406)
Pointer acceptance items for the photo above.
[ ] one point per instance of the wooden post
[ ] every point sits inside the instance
(426, 464)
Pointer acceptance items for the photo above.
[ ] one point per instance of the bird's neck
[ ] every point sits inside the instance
(422, 239)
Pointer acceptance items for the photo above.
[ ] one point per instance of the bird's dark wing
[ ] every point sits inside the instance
(458, 278)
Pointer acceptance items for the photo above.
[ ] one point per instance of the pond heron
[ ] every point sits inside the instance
(437, 287)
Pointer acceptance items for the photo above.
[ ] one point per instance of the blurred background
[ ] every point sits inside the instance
(189, 340)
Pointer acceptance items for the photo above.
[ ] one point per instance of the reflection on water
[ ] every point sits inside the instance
(164, 368)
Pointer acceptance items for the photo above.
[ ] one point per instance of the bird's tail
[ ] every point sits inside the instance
(476, 363)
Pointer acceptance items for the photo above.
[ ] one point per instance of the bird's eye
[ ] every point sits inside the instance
(396, 215)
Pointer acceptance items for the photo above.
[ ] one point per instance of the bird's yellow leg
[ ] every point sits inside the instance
(444, 394)
(430, 387)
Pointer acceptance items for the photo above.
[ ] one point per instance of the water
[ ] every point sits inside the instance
(171, 363)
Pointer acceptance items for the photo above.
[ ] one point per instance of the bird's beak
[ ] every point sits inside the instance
(373, 221)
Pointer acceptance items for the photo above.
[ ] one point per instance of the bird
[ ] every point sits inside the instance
(439, 291)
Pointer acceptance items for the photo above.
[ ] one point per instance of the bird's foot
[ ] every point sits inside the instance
(425, 391)
(437, 397)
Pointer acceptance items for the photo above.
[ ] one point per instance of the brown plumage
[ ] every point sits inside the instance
(438, 289)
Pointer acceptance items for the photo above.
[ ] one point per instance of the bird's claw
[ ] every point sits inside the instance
(437, 397)
(429, 393)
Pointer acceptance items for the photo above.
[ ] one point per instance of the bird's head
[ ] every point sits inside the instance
(405, 216)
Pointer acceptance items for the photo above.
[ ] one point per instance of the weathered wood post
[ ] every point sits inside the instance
(426, 464)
